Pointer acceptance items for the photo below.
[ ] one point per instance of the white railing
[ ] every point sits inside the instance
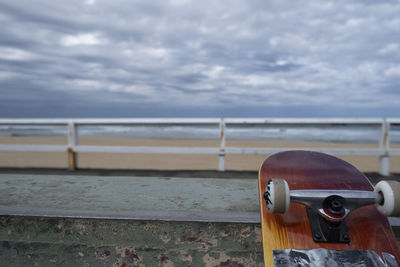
(384, 151)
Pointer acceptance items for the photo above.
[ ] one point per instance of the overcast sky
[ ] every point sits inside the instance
(179, 58)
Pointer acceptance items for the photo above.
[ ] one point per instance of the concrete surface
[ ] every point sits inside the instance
(124, 197)
(77, 219)
(44, 241)
(166, 221)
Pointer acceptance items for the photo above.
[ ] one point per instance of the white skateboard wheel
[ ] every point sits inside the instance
(388, 193)
(277, 196)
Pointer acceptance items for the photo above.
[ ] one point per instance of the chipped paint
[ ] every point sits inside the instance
(165, 237)
(258, 233)
(222, 259)
(185, 257)
(246, 231)
(165, 261)
(34, 241)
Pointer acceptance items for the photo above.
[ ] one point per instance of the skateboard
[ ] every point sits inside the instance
(318, 210)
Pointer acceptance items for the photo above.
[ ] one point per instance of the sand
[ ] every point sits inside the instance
(168, 161)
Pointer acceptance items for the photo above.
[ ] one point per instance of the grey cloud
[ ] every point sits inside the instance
(37, 14)
(230, 53)
(191, 78)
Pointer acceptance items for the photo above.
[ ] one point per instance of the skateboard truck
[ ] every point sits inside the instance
(327, 209)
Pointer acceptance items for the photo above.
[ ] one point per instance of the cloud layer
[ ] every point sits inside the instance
(199, 55)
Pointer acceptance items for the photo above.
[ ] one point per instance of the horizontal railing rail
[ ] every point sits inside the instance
(384, 150)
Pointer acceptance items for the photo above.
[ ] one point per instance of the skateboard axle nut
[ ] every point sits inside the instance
(336, 205)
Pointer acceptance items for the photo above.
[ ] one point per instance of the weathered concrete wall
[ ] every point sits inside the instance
(37, 241)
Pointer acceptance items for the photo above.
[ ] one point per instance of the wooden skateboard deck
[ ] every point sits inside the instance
(368, 229)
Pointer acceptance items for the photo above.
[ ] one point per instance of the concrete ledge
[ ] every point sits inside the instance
(135, 198)
(238, 217)
(124, 197)
(394, 221)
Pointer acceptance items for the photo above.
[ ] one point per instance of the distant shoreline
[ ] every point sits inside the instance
(333, 134)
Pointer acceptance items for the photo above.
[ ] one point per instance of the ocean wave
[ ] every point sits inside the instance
(365, 134)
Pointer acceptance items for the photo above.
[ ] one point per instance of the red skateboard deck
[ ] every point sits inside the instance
(368, 229)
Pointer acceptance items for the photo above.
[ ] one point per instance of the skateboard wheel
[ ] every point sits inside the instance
(388, 195)
(277, 196)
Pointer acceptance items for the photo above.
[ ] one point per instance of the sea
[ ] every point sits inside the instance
(336, 134)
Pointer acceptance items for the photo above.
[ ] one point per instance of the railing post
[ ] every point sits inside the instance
(221, 157)
(72, 142)
(384, 142)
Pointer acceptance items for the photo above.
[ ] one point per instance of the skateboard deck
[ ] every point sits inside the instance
(368, 229)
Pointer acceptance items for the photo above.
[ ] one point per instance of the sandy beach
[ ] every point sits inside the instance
(169, 161)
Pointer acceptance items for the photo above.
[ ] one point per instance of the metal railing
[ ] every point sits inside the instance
(384, 151)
